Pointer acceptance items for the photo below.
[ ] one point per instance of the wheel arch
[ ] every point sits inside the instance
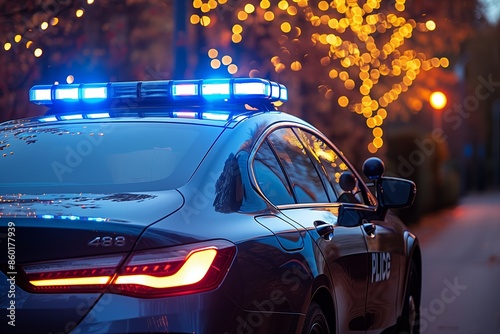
(413, 254)
(323, 295)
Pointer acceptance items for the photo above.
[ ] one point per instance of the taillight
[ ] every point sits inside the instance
(72, 275)
(153, 273)
(180, 270)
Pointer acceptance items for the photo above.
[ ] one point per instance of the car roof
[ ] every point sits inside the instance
(138, 115)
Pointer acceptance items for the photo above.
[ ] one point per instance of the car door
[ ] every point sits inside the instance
(386, 250)
(307, 202)
(383, 245)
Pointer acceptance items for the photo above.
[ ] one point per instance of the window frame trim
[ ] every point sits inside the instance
(307, 154)
(278, 160)
(253, 180)
(322, 173)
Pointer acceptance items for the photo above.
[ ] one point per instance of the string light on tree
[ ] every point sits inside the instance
(366, 66)
(226, 60)
(430, 25)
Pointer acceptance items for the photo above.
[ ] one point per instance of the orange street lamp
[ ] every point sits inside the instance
(438, 101)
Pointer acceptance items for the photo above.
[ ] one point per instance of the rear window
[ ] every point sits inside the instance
(101, 157)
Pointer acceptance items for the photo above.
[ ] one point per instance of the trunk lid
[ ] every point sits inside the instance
(55, 226)
(60, 236)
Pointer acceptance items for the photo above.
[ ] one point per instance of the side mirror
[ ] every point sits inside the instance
(395, 193)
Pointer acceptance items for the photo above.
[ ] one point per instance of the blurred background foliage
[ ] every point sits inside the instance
(361, 71)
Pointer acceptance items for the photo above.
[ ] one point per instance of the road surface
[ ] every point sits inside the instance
(461, 272)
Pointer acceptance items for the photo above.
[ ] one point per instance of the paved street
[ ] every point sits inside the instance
(461, 274)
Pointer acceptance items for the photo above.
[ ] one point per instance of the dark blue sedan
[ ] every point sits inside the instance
(194, 206)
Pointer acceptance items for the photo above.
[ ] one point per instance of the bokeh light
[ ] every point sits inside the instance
(343, 101)
(366, 65)
(438, 100)
(194, 19)
(205, 21)
(215, 63)
(249, 8)
(213, 53)
(38, 52)
(431, 25)
(226, 60)
(232, 69)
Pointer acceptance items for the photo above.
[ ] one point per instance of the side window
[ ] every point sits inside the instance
(341, 178)
(270, 176)
(306, 183)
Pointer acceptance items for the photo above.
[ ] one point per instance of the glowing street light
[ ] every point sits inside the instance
(438, 100)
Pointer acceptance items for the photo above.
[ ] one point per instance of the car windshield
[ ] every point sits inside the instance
(101, 157)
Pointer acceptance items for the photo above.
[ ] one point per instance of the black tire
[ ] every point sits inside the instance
(315, 322)
(409, 323)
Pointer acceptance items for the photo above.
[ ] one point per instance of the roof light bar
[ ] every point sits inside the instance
(41, 94)
(218, 89)
(66, 93)
(123, 90)
(283, 93)
(184, 89)
(48, 119)
(185, 114)
(155, 89)
(71, 117)
(276, 90)
(98, 91)
(260, 89)
(98, 115)
(216, 116)
(165, 91)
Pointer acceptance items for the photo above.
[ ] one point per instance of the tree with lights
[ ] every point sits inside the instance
(70, 41)
(380, 60)
(377, 59)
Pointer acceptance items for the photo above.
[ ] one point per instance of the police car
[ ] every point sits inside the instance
(195, 206)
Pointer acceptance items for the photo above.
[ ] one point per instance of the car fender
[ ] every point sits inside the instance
(412, 253)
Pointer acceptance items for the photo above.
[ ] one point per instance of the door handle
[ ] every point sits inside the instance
(325, 230)
(369, 228)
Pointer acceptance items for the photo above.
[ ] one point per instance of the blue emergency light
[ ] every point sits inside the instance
(236, 90)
